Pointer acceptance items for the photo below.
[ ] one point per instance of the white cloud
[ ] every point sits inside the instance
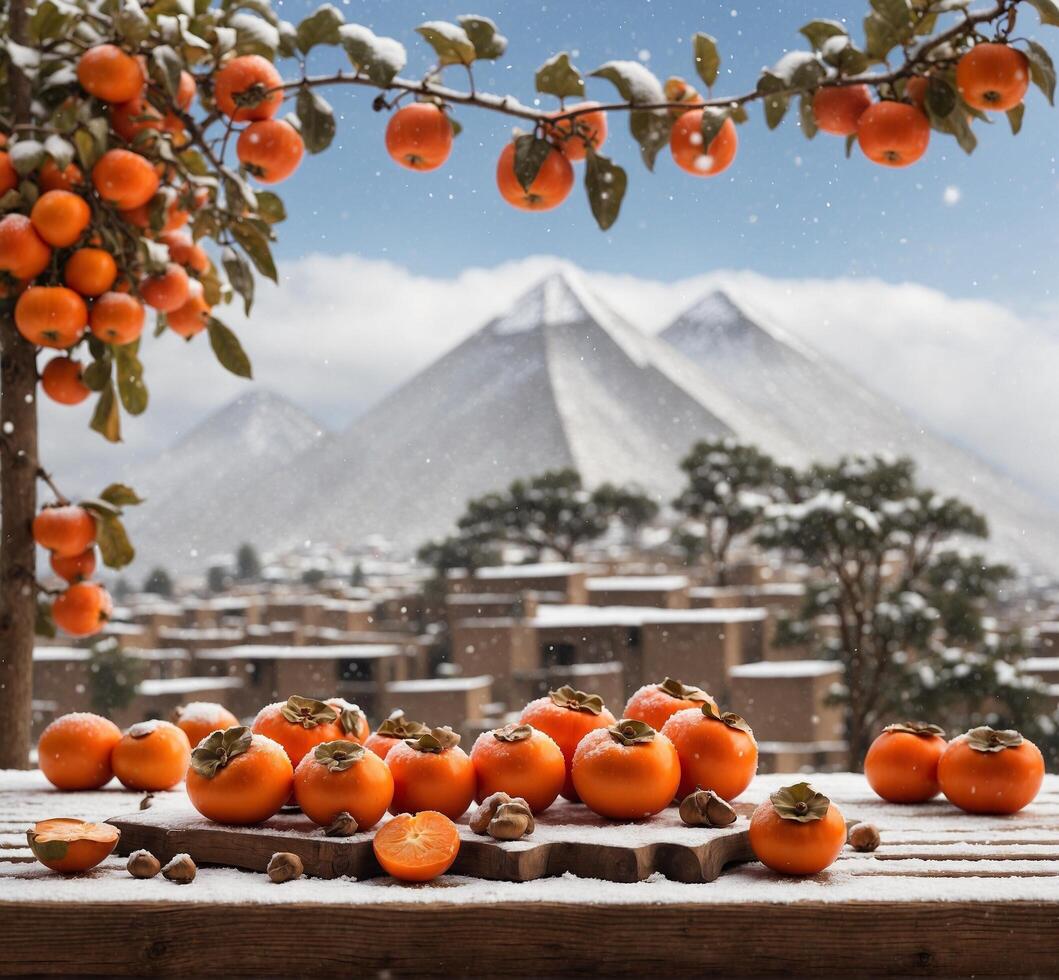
(342, 331)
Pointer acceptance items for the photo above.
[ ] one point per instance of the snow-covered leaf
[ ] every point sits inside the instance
(560, 78)
(488, 42)
(380, 58)
(449, 41)
(320, 27)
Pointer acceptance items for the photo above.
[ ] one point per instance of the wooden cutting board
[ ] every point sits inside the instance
(567, 838)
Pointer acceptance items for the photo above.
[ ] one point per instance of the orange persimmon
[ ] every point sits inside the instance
(902, 763)
(71, 846)
(797, 831)
(991, 771)
(431, 772)
(656, 703)
(343, 776)
(74, 751)
(197, 719)
(298, 724)
(151, 756)
(417, 847)
(521, 761)
(393, 730)
(717, 750)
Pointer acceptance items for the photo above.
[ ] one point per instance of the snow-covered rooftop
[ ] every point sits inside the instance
(345, 651)
(786, 668)
(439, 684)
(152, 687)
(636, 583)
(553, 617)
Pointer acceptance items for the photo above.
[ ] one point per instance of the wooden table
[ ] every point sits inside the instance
(946, 894)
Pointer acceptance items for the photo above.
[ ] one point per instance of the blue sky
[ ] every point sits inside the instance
(979, 226)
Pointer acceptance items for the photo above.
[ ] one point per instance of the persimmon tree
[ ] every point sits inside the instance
(140, 137)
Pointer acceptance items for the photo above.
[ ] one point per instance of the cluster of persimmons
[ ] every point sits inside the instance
(672, 742)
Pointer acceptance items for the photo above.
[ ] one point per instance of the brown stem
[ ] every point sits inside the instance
(43, 474)
(18, 491)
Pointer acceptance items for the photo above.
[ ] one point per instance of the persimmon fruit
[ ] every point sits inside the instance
(657, 703)
(125, 179)
(110, 74)
(548, 189)
(90, 271)
(197, 719)
(62, 381)
(77, 568)
(521, 761)
(902, 763)
(186, 252)
(151, 756)
(797, 831)
(51, 316)
(626, 772)
(299, 724)
(990, 771)
(351, 720)
(993, 77)
(393, 730)
(83, 609)
(244, 80)
(74, 751)
(685, 144)
(574, 135)
(717, 750)
(417, 847)
(8, 174)
(270, 149)
(71, 846)
(51, 178)
(116, 318)
(66, 529)
(60, 217)
(193, 315)
(23, 252)
(167, 291)
(893, 134)
(343, 776)
(837, 108)
(431, 772)
(129, 119)
(419, 136)
(567, 715)
(239, 777)
(678, 90)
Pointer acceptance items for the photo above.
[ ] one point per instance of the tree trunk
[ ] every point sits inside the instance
(18, 504)
(18, 494)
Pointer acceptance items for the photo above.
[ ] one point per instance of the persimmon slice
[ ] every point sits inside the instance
(417, 847)
(68, 845)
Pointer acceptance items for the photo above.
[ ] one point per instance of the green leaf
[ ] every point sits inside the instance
(805, 115)
(651, 129)
(1042, 70)
(97, 374)
(530, 154)
(1049, 11)
(380, 58)
(132, 23)
(131, 389)
(707, 57)
(941, 96)
(256, 247)
(48, 22)
(449, 41)
(255, 36)
(559, 78)
(100, 508)
(25, 156)
(166, 66)
(44, 625)
(317, 120)
(488, 42)
(712, 121)
(228, 350)
(818, 31)
(121, 495)
(851, 141)
(605, 183)
(843, 54)
(775, 109)
(1015, 118)
(106, 419)
(239, 275)
(320, 27)
(270, 207)
(114, 546)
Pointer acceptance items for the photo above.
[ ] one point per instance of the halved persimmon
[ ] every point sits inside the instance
(417, 847)
(71, 846)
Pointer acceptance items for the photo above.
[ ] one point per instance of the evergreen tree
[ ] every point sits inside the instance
(159, 582)
(113, 677)
(217, 578)
(247, 564)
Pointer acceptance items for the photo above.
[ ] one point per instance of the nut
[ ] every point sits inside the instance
(181, 870)
(864, 837)
(479, 822)
(704, 808)
(285, 866)
(143, 864)
(147, 802)
(512, 821)
(344, 825)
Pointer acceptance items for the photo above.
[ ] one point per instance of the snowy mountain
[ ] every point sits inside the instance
(203, 493)
(803, 397)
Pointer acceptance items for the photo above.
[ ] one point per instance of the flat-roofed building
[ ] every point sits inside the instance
(157, 698)
(786, 701)
(657, 591)
(554, 581)
(455, 701)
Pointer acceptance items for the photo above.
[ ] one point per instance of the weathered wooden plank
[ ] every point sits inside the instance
(546, 939)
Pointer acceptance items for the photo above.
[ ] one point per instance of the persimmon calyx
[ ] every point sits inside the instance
(915, 728)
(398, 726)
(339, 755)
(513, 733)
(350, 717)
(683, 692)
(435, 740)
(704, 808)
(307, 712)
(569, 697)
(986, 739)
(629, 731)
(218, 748)
(729, 718)
(800, 802)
